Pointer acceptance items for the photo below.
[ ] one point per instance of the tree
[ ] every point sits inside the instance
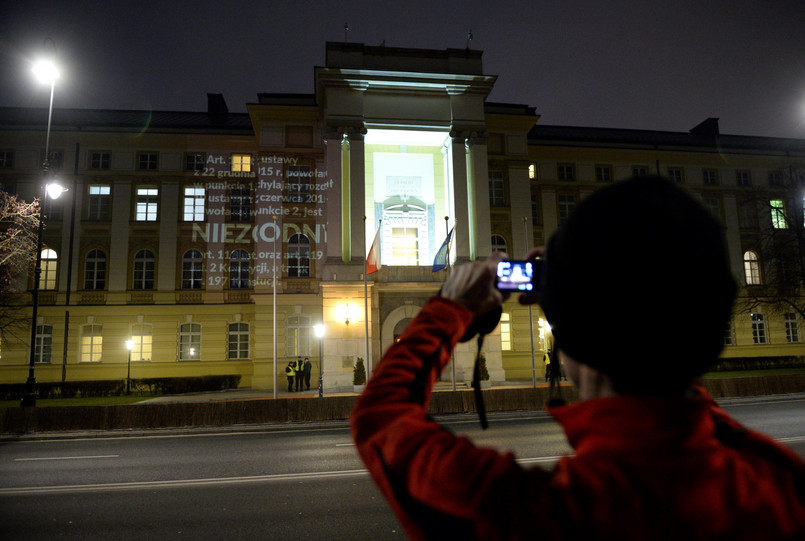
(19, 223)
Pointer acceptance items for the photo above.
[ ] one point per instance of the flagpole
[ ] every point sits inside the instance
(366, 308)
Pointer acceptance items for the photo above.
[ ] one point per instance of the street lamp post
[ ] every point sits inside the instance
(319, 330)
(129, 346)
(46, 72)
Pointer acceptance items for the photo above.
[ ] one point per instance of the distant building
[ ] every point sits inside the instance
(176, 222)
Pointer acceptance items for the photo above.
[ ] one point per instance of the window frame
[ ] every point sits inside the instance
(751, 268)
(147, 161)
(194, 204)
(792, 332)
(298, 256)
(95, 270)
(240, 331)
(43, 348)
(146, 204)
(189, 342)
(141, 261)
(759, 333)
(239, 267)
(91, 352)
(497, 188)
(296, 343)
(192, 270)
(99, 202)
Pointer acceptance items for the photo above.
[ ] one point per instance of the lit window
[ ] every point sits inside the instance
(144, 263)
(751, 269)
(505, 332)
(98, 205)
(47, 280)
(532, 171)
(192, 270)
(189, 342)
(238, 341)
(44, 343)
(404, 246)
(242, 162)
(91, 343)
(497, 193)
(240, 204)
(193, 204)
(498, 243)
(95, 270)
(141, 336)
(239, 269)
(758, 328)
(791, 328)
(778, 220)
(603, 173)
(99, 160)
(298, 256)
(147, 161)
(298, 336)
(147, 204)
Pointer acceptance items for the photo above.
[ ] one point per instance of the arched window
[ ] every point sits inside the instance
(498, 244)
(238, 341)
(239, 266)
(144, 263)
(95, 270)
(751, 268)
(189, 342)
(91, 343)
(50, 260)
(298, 256)
(192, 270)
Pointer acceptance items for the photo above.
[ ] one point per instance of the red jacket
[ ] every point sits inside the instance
(644, 468)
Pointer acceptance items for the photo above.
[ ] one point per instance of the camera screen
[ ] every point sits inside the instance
(515, 275)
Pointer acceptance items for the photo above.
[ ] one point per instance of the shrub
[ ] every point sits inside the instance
(359, 374)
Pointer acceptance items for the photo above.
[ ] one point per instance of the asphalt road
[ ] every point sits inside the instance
(268, 482)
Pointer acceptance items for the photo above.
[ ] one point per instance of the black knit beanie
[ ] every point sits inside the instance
(638, 286)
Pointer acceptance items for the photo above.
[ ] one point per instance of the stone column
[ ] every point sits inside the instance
(458, 204)
(478, 193)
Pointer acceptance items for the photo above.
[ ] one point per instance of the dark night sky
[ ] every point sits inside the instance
(624, 63)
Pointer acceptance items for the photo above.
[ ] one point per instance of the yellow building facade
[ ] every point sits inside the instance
(216, 241)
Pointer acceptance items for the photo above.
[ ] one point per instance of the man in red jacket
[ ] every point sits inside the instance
(638, 291)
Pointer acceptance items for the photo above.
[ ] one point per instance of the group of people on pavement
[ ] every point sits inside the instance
(298, 372)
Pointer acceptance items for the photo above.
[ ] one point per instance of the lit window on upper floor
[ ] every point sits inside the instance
(147, 204)
(241, 163)
(778, 218)
(193, 204)
(99, 202)
(532, 171)
(751, 268)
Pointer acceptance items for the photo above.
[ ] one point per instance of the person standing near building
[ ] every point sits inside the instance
(655, 457)
(290, 373)
(299, 369)
(306, 372)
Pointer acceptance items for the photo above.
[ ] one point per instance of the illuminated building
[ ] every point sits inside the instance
(181, 218)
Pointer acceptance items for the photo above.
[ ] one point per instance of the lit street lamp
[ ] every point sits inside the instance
(129, 346)
(319, 331)
(47, 73)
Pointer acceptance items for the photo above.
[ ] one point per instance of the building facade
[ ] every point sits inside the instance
(216, 241)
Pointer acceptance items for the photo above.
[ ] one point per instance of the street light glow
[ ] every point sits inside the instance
(129, 344)
(46, 72)
(54, 190)
(319, 330)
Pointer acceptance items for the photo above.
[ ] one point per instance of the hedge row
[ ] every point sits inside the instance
(758, 363)
(102, 388)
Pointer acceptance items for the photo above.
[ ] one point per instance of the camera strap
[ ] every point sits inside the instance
(476, 385)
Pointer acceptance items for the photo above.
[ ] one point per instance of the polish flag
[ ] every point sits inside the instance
(373, 263)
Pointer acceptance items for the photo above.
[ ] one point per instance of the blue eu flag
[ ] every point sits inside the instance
(440, 261)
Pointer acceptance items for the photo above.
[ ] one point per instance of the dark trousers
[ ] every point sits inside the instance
(299, 381)
(290, 383)
(307, 379)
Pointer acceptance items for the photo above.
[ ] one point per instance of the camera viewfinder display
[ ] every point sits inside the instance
(515, 275)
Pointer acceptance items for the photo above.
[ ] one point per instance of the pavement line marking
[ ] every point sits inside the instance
(38, 459)
(345, 445)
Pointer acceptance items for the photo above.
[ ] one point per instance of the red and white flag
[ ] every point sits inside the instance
(373, 263)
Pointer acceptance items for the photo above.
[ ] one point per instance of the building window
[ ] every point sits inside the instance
(50, 262)
(747, 214)
(639, 171)
(751, 269)
(238, 341)
(141, 336)
(144, 263)
(775, 179)
(497, 192)
(565, 171)
(778, 220)
(298, 183)
(6, 159)
(95, 270)
(99, 160)
(192, 270)
(603, 173)
(743, 177)
(535, 210)
(729, 334)
(676, 175)
(98, 204)
(147, 161)
(240, 204)
(239, 270)
(194, 162)
(505, 332)
(532, 171)
(791, 328)
(758, 328)
(567, 203)
(498, 243)
(44, 343)
(91, 343)
(147, 204)
(713, 206)
(709, 177)
(241, 163)
(193, 204)
(189, 342)
(404, 246)
(299, 256)
(55, 159)
(298, 336)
